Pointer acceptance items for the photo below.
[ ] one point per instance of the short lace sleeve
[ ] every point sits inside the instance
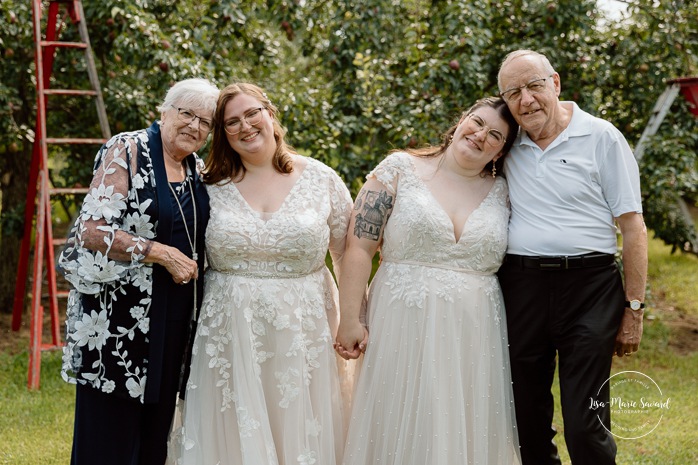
(338, 221)
(388, 171)
(341, 205)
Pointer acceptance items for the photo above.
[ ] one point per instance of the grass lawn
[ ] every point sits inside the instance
(674, 441)
(36, 426)
(669, 355)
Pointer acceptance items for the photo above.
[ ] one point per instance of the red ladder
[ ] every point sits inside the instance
(39, 188)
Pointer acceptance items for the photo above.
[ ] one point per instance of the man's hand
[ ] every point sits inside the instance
(629, 333)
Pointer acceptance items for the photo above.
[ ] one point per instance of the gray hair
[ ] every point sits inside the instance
(521, 53)
(191, 93)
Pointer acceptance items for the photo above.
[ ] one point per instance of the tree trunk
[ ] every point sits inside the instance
(14, 166)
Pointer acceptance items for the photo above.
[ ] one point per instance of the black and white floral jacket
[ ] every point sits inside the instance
(116, 314)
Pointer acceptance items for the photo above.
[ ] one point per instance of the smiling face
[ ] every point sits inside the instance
(252, 139)
(537, 112)
(476, 140)
(179, 139)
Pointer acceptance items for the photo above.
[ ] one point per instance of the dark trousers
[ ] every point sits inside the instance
(113, 431)
(572, 314)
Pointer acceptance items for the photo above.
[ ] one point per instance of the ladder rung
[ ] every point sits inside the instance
(69, 92)
(54, 140)
(62, 294)
(58, 43)
(68, 190)
(58, 293)
(50, 347)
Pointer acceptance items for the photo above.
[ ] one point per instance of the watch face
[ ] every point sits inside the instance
(635, 304)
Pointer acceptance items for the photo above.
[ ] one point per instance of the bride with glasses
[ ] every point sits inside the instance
(434, 386)
(266, 385)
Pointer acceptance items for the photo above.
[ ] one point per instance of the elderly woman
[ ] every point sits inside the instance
(133, 259)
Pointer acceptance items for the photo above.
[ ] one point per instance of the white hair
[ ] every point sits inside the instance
(521, 53)
(191, 93)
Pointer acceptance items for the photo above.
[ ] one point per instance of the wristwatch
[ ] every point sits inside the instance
(634, 304)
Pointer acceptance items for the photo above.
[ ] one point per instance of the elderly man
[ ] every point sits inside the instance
(572, 177)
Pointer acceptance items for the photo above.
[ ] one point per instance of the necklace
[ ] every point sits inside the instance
(192, 243)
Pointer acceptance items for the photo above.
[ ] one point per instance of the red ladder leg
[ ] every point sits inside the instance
(37, 309)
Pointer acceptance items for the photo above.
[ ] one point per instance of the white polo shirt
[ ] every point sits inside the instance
(564, 198)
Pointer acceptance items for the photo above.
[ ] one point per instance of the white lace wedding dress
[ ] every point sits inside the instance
(265, 381)
(435, 388)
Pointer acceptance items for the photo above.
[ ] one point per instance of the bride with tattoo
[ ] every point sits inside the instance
(434, 386)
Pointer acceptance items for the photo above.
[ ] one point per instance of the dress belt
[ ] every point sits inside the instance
(269, 275)
(560, 262)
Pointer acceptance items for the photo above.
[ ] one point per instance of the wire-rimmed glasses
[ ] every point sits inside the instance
(535, 86)
(494, 136)
(187, 116)
(252, 117)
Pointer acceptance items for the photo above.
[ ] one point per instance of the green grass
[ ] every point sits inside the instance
(674, 440)
(673, 277)
(673, 283)
(36, 426)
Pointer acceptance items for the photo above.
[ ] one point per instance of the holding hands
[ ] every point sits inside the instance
(352, 339)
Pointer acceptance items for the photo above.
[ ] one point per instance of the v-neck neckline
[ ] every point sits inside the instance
(441, 208)
(260, 215)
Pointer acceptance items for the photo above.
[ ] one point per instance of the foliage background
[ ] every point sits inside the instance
(353, 78)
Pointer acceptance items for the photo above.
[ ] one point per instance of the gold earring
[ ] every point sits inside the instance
(494, 170)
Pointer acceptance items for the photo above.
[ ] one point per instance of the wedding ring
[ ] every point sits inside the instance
(185, 281)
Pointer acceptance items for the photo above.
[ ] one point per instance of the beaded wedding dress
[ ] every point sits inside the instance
(265, 382)
(435, 387)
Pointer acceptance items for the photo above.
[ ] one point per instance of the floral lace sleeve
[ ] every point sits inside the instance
(340, 214)
(388, 171)
(107, 241)
(105, 205)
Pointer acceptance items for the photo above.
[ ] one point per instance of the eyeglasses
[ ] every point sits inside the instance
(494, 137)
(252, 117)
(187, 116)
(534, 87)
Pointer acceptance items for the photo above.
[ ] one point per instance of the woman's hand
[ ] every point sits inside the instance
(182, 268)
(351, 340)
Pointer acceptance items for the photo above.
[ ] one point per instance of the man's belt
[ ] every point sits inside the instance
(560, 262)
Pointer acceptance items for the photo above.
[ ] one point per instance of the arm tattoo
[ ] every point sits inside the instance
(374, 208)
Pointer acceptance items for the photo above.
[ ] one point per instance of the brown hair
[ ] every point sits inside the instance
(224, 163)
(496, 103)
